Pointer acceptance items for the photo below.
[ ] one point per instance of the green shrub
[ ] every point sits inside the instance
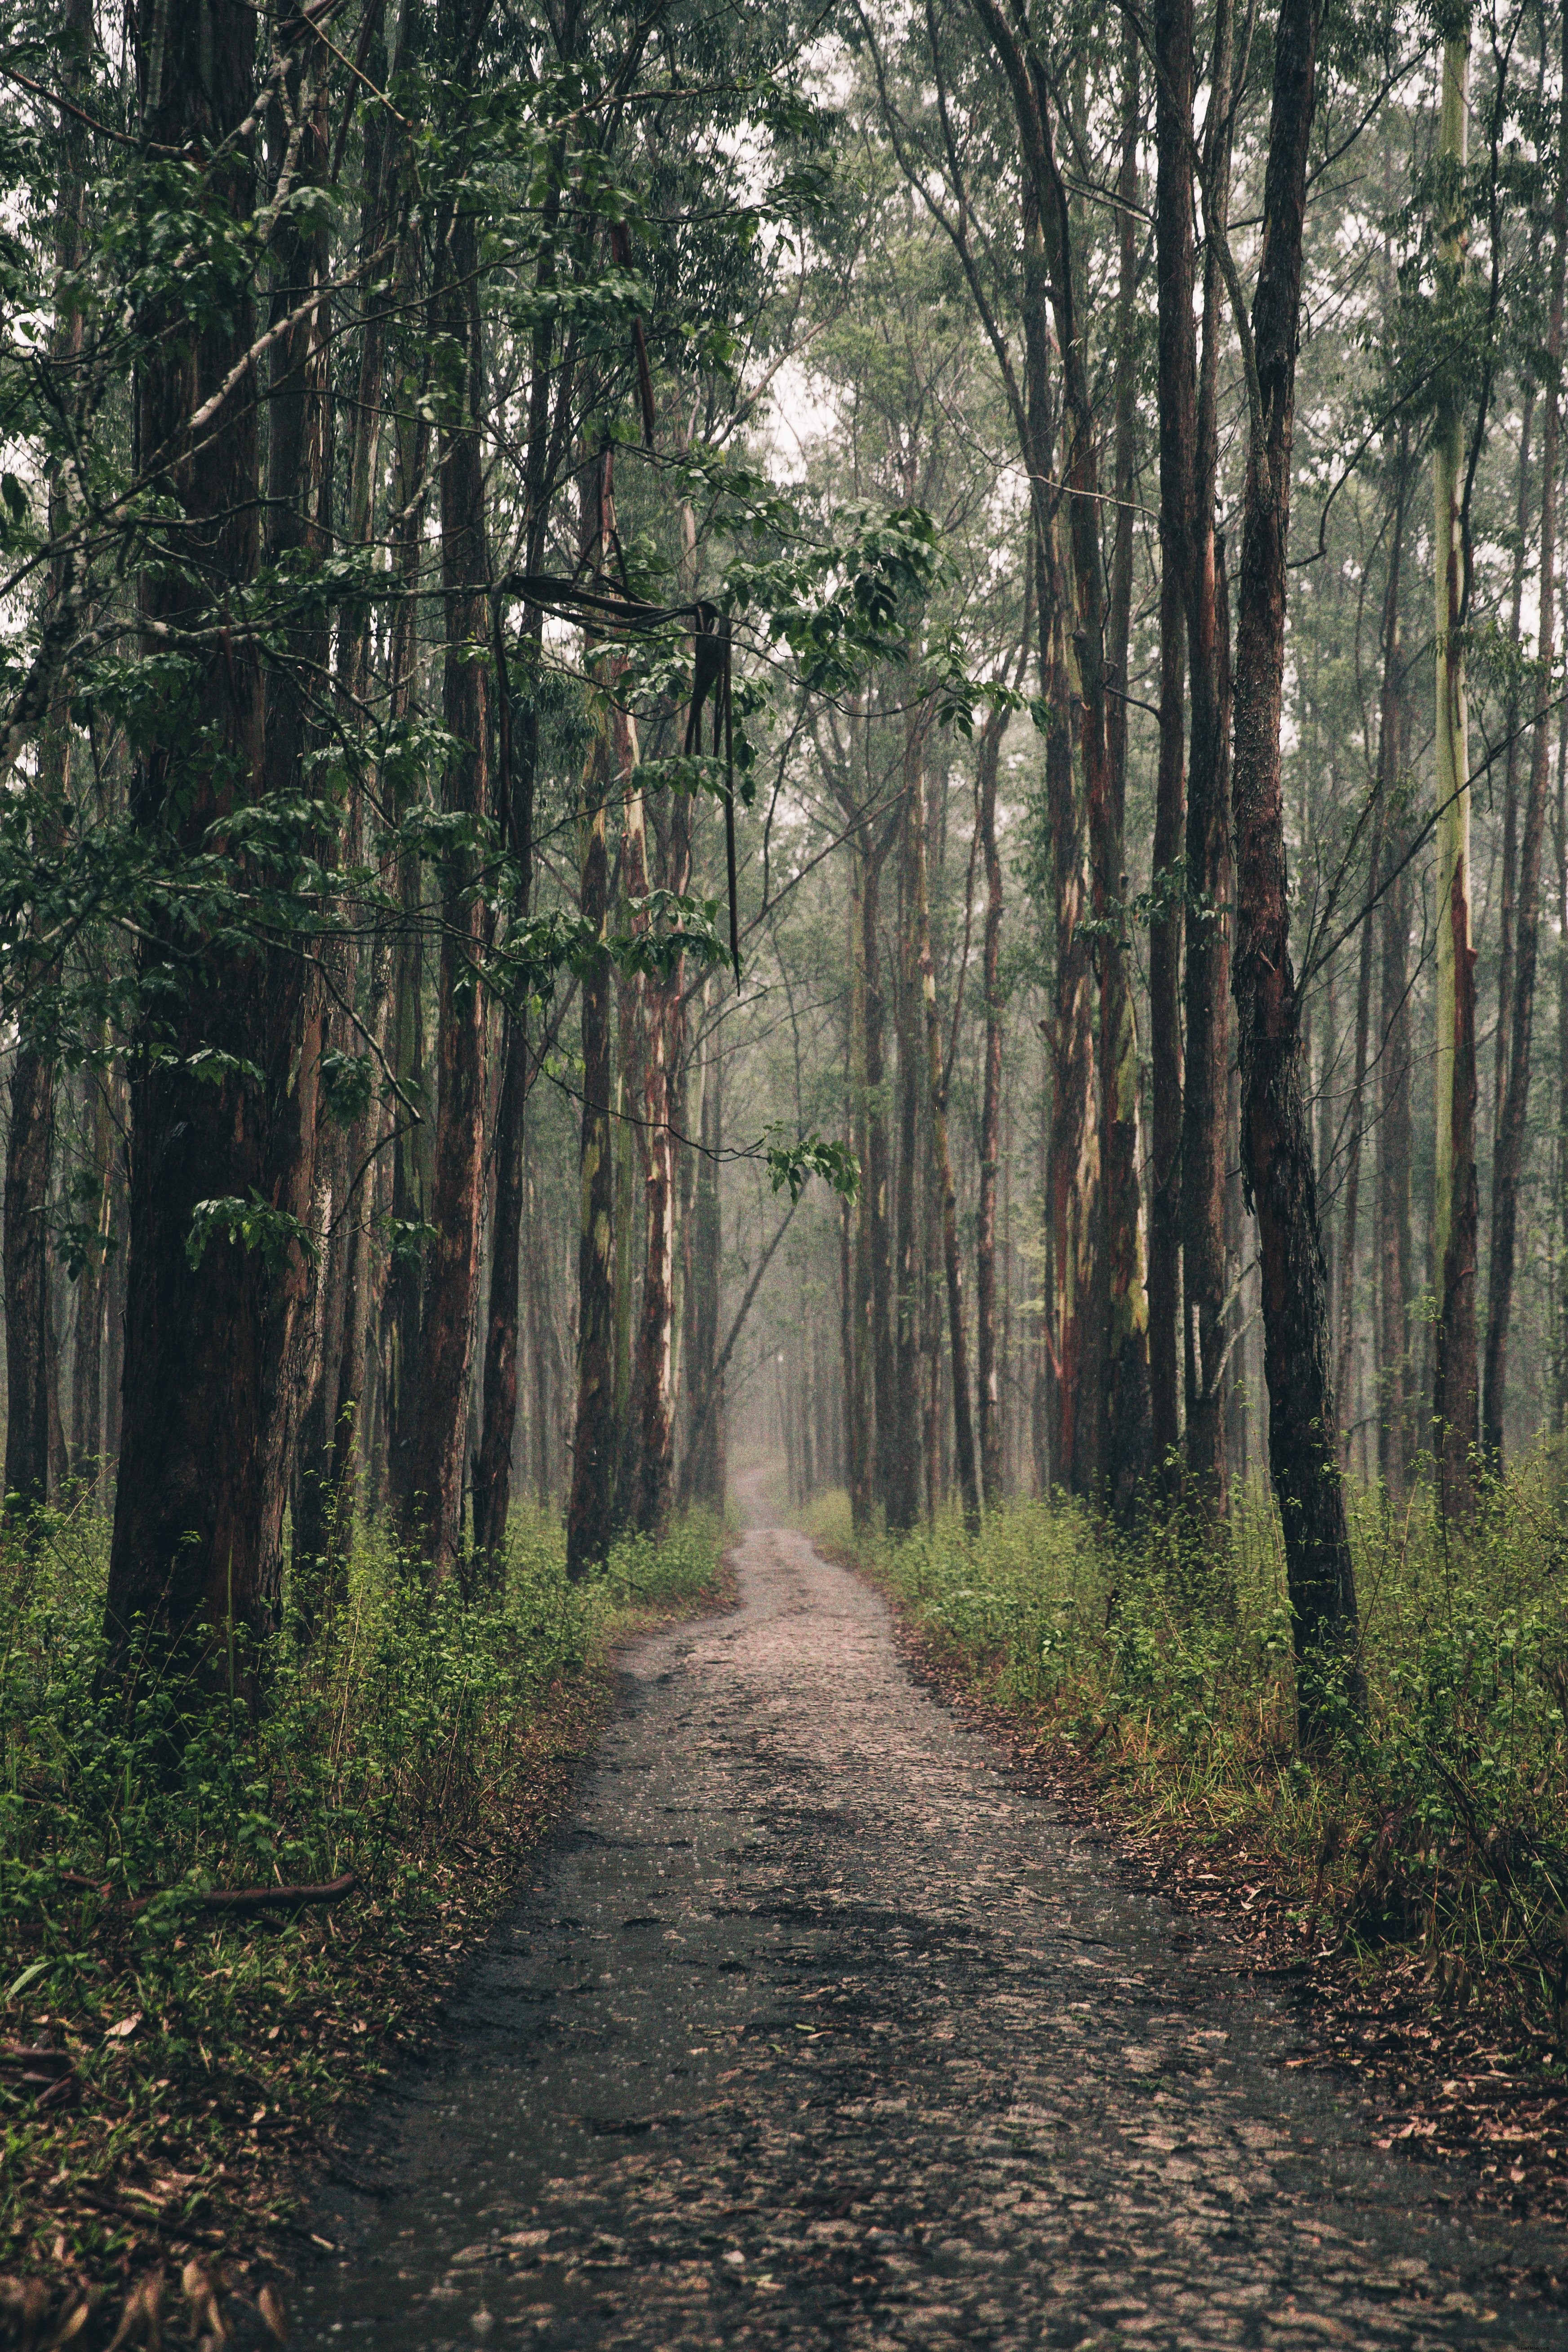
(1438, 1818)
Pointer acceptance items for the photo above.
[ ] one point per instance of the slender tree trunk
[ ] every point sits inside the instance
(1507, 1164)
(434, 1497)
(1387, 786)
(1455, 1214)
(1511, 771)
(1277, 1150)
(985, 1350)
(30, 1326)
(92, 1288)
(590, 1510)
(1126, 1261)
(878, 1229)
(904, 1494)
(1207, 1129)
(947, 1199)
(31, 1367)
(702, 1472)
(1174, 244)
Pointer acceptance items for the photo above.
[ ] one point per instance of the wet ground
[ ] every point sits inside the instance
(818, 2029)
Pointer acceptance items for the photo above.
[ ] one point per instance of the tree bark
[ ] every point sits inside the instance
(1386, 787)
(433, 1494)
(206, 1411)
(1276, 1152)
(986, 1352)
(947, 1198)
(1206, 1130)
(1507, 1163)
(904, 1492)
(591, 1506)
(1456, 1214)
(1176, 248)
(31, 1365)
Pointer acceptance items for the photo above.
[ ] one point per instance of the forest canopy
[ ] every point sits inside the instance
(622, 624)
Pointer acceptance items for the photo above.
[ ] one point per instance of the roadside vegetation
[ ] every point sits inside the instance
(167, 2061)
(1432, 1829)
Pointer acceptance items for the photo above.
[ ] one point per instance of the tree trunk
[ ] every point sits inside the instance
(1175, 243)
(985, 1351)
(904, 1493)
(92, 1288)
(1509, 1159)
(31, 1367)
(433, 1494)
(1387, 786)
(1276, 1140)
(880, 1293)
(1207, 1154)
(207, 1390)
(1455, 1214)
(591, 1507)
(947, 1199)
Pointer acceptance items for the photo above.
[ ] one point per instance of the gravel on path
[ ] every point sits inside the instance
(819, 2028)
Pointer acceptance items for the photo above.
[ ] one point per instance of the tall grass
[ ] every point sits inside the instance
(1437, 1820)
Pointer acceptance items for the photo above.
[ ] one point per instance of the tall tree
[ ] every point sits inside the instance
(208, 1340)
(1275, 1136)
(1507, 1163)
(1456, 1214)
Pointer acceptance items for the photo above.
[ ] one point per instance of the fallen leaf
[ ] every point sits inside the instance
(125, 2028)
(269, 2304)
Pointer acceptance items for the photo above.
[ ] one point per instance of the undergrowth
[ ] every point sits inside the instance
(161, 2059)
(1434, 1826)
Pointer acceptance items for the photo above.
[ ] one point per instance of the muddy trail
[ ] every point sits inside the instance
(819, 2028)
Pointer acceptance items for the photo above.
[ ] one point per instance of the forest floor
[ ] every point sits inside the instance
(145, 2251)
(823, 2024)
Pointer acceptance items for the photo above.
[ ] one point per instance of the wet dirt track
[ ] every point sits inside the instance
(818, 2029)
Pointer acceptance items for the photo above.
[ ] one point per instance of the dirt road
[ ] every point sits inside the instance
(818, 2030)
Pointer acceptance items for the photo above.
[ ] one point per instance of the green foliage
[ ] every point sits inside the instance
(1438, 1820)
(408, 1723)
(794, 1162)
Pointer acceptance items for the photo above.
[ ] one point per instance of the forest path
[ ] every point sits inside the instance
(818, 2029)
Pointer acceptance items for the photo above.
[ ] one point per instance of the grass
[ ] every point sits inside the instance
(1434, 1828)
(194, 2058)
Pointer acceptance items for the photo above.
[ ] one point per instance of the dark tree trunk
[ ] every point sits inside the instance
(702, 1470)
(206, 1401)
(31, 1405)
(432, 1497)
(1174, 247)
(92, 1288)
(591, 1506)
(1276, 1139)
(30, 1326)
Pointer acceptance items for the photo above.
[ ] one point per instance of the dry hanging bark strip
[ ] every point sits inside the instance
(711, 677)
